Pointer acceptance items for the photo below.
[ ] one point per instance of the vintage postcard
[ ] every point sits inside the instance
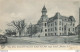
(39, 24)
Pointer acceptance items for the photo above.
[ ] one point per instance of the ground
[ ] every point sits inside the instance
(41, 40)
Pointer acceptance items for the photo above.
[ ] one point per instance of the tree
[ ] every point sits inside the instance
(10, 32)
(32, 29)
(18, 25)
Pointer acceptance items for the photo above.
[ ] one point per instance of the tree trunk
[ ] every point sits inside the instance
(19, 33)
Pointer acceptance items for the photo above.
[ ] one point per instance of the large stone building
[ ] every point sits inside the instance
(55, 25)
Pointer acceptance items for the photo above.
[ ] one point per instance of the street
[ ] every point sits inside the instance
(40, 40)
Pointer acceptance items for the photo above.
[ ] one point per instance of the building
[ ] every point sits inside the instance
(55, 25)
(77, 28)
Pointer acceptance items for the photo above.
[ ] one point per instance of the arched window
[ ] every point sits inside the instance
(45, 34)
(45, 24)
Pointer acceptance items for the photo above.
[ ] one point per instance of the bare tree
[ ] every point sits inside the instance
(32, 30)
(18, 25)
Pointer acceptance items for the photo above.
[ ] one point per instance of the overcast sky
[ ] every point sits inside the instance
(30, 10)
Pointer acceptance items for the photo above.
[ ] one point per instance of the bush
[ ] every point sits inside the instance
(70, 33)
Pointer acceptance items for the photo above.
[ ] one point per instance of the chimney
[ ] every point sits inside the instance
(79, 15)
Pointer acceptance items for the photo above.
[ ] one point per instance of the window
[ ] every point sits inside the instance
(55, 28)
(45, 34)
(62, 29)
(73, 29)
(45, 30)
(59, 28)
(41, 30)
(55, 23)
(73, 24)
(60, 23)
(48, 30)
(49, 34)
(48, 25)
(51, 24)
(69, 29)
(45, 24)
(65, 27)
(51, 29)
(55, 33)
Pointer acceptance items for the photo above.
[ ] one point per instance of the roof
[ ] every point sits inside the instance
(71, 18)
(64, 18)
(44, 9)
(42, 18)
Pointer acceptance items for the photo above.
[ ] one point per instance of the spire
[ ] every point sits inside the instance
(44, 10)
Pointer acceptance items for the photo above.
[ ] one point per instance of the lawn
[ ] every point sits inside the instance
(41, 40)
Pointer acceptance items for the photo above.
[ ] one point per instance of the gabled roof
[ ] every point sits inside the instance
(53, 18)
(64, 18)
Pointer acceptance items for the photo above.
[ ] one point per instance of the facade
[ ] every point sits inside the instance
(56, 25)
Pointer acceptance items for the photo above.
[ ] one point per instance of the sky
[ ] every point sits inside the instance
(30, 10)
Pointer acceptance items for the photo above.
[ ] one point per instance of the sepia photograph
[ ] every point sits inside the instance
(39, 22)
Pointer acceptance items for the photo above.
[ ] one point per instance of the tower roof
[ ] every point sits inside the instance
(44, 9)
